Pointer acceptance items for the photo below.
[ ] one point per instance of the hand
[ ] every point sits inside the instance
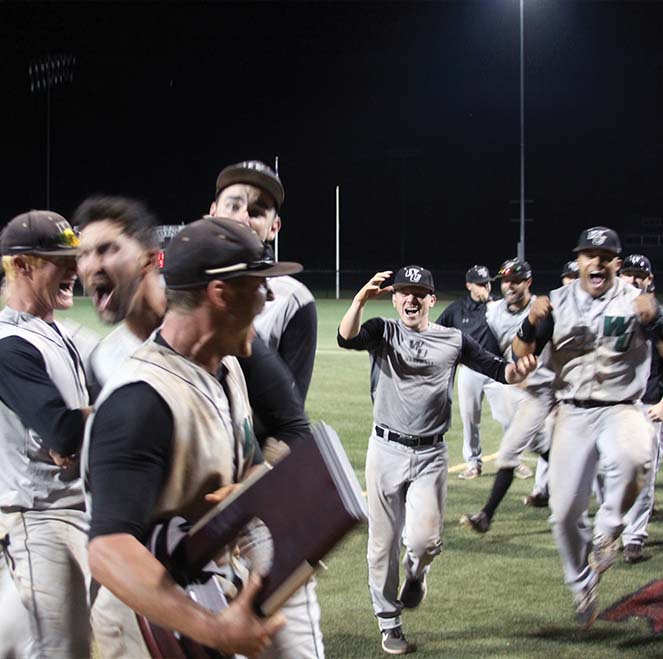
(655, 412)
(222, 493)
(645, 307)
(516, 373)
(240, 630)
(372, 288)
(64, 461)
(540, 308)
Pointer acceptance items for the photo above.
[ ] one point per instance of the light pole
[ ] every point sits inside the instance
(44, 73)
(521, 243)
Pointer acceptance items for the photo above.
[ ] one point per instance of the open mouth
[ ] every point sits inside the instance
(411, 310)
(67, 288)
(597, 278)
(102, 295)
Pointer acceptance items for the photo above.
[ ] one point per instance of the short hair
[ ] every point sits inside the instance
(185, 300)
(10, 269)
(132, 215)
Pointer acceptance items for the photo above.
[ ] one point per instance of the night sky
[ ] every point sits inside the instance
(413, 109)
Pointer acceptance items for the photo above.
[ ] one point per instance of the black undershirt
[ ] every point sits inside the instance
(27, 389)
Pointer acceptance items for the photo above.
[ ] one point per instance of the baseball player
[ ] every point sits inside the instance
(534, 403)
(598, 328)
(252, 193)
(43, 408)
(469, 316)
(191, 432)
(636, 270)
(412, 362)
(569, 272)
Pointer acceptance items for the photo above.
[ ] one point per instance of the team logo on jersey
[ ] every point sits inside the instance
(418, 347)
(621, 327)
(413, 274)
(597, 236)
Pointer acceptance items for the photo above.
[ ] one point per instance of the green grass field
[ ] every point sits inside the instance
(495, 595)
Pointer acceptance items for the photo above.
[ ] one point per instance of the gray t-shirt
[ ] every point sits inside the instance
(412, 372)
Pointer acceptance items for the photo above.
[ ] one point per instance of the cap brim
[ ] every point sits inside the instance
(605, 249)
(398, 287)
(68, 251)
(277, 270)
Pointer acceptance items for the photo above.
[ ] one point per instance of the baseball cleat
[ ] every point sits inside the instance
(394, 642)
(523, 472)
(586, 604)
(536, 500)
(603, 554)
(470, 473)
(479, 522)
(633, 553)
(413, 592)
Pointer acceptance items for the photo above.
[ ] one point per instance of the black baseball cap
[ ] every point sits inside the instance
(570, 269)
(477, 274)
(252, 172)
(43, 233)
(636, 263)
(514, 269)
(599, 238)
(215, 248)
(414, 275)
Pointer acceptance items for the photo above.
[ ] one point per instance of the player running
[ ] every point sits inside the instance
(412, 362)
(598, 328)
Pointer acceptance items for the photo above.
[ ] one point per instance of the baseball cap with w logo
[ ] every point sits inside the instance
(599, 238)
(414, 275)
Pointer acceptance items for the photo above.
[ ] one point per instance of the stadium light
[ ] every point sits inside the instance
(521, 243)
(45, 73)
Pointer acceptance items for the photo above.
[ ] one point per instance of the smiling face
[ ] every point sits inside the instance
(598, 269)
(413, 304)
(111, 265)
(53, 281)
(250, 205)
(516, 292)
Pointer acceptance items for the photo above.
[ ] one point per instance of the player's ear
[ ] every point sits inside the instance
(217, 294)
(433, 299)
(393, 299)
(274, 229)
(618, 262)
(212, 208)
(468, 286)
(150, 260)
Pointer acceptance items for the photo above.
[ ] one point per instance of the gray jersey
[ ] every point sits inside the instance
(111, 351)
(411, 376)
(504, 324)
(289, 296)
(29, 479)
(599, 349)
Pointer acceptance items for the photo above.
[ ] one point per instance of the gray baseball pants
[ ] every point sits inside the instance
(619, 441)
(49, 550)
(502, 399)
(407, 492)
(637, 518)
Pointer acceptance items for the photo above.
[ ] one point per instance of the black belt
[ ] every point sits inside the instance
(408, 440)
(597, 403)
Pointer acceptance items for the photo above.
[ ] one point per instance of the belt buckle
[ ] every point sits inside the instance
(412, 440)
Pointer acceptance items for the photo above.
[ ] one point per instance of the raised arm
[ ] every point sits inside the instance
(351, 322)
(536, 329)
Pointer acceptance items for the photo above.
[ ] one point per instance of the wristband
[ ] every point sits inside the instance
(527, 331)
